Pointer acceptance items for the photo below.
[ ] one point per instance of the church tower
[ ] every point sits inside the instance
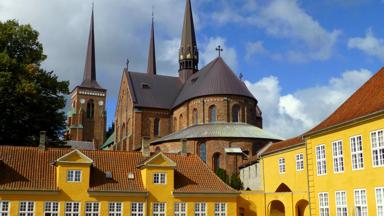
(151, 68)
(188, 53)
(87, 116)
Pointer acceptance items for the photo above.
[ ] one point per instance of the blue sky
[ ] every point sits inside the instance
(300, 59)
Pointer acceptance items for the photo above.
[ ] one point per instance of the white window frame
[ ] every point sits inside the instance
(27, 211)
(200, 209)
(137, 209)
(49, 208)
(379, 195)
(321, 159)
(337, 156)
(159, 209)
(74, 175)
(72, 211)
(5, 210)
(300, 162)
(113, 209)
(323, 204)
(341, 203)
(357, 155)
(92, 209)
(220, 209)
(160, 178)
(361, 202)
(181, 209)
(375, 144)
(282, 167)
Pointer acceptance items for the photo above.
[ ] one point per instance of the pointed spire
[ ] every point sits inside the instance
(89, 79)
(188, 53)
(151, 69)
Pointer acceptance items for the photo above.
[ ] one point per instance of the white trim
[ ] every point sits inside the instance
(322, 159)
(282, 166)
(199, 213)
(377, 148)
(114, 212)
(83, 156)
(342, 206)
(366, 200)
(325, 207)
(74, 175)
(72, 212)
(51, 201)
(26, 211)
(382, 199)
(137, 212)
(92, 212)
(300, 160)
(159, 178)
(339, 157)
(8, 209)
(220, 213)
(357, 152)
(180, 212)
(159, 212)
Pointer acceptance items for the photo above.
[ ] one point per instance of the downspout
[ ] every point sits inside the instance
(308, 192)
(265, 194)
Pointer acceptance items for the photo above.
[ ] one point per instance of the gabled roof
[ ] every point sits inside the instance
(153, 91)
(30, 168)
(158, 160)
(214, 79)
(368, 99)
(285, 144)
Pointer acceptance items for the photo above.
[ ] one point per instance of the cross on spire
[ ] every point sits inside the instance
(127, 63)
(219, 49)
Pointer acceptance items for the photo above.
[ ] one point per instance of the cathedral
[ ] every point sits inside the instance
(208, 112)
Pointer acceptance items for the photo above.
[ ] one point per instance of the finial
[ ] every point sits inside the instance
(153, 13)
(241, 76)
(219, 49)
(127, 63)
(93, 5)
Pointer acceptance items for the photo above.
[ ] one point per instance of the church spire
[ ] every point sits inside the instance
(188, 53)
(89, 79)
(151, 69)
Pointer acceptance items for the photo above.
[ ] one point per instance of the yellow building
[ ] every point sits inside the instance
(49, 181)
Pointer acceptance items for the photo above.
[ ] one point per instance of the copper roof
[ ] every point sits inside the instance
(285, 144)
(216, 78)
(368, 99)
(30, 168)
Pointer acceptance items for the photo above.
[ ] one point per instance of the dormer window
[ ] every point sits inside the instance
(145, 86)
(73, 175)
(159, 178)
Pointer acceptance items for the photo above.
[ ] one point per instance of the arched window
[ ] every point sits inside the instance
(212, 113)
(235, 113)
(90, 109)
(156, 127)
(174, 124)
(203, 152)
(195, 117)
(181, 122)
(216, 161)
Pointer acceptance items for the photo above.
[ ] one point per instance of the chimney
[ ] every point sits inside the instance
(43, 140)
(184, 147)
(145, 147)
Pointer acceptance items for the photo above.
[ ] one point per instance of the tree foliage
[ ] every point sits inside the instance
(234, 181)
(31, 99)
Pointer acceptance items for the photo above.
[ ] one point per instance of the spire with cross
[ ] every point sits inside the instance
(219, 50)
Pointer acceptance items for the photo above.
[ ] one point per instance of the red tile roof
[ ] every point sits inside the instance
(288, 143)
(368, 99)
(29, 168)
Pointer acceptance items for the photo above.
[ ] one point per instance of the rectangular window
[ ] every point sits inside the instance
(27, 208)
(380, 201)
(200, 209)
(321, 160)
(115, 209)
(180, 209)
(73, 175)
(92, 209)
(220, 209)
(323, 204)
(300, 162)
(361, 207)
(4, 208)
(137, 209)
(158, 209)
(357, 153)
(341, 203)
(159, 178)
(282, 165)
(51, 209)
(72, 209)
(338, 160)
(377, 148)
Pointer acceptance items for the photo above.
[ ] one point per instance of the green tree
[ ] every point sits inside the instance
(31, 99)
(236, 182)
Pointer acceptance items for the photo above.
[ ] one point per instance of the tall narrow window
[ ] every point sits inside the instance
(195, 116)
(338, 161)
(361, 207)
(200, 209)
(300, 162)
(4, 208)
(137, 209)
(27, 208)
(341, 203)
(51, 208)
(115, 209)
(235, 113)
(323, 204)
(181, 123)
(216, 161)
(212, 113)
(380, 201)
(174, 124)
(220, 209)
(90, 109)
(92, 209)
(156, 127)
(321, 161)
(203, 151)
(159, 209)
(282, 165)
(357, 153)
(377, 142)
(180, 209)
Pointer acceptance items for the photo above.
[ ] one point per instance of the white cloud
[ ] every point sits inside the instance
(254, 48)
(208, 53)
(369, 44)
(293, 113)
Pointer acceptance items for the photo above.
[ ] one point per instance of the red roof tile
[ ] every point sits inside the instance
(278, 146)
